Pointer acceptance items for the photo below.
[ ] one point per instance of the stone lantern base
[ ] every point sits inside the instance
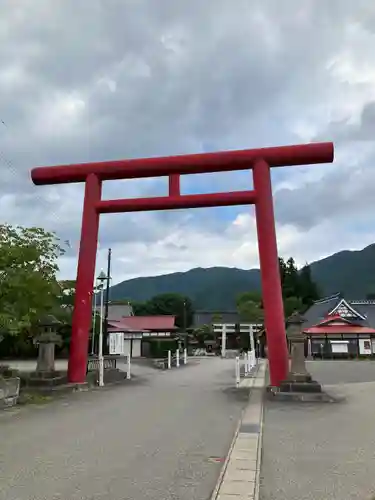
(299, 385)
(40, 379)
(304, 383)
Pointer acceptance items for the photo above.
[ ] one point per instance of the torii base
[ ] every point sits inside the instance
(301, 389)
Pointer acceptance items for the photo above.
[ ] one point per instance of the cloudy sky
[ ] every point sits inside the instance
(84, 80)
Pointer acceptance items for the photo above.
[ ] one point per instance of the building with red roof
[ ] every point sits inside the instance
(140, 331)
(336, 327)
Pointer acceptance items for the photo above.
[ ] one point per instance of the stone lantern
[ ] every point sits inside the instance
(46, 341)
(298, 379)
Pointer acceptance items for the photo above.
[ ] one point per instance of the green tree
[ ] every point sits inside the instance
(217, 317)
(289, 277)
(308, 289)
(292, 304)
(28, 267)
(142, 308)
(298, 288)
(67, 293)
(204, 333)
(167, 303)
(249, 307)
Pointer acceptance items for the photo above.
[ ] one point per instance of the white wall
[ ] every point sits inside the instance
(136, 351)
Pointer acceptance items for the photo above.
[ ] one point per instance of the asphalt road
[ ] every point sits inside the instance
(323, 451)
(151, 440)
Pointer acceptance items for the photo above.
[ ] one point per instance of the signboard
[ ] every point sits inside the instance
(116, 343)
(365, 346)
(339, 346)
(129, 336)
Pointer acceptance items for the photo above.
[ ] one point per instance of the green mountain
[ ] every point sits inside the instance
(216, 288)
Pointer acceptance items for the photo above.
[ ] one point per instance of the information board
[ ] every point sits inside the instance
(116, 343)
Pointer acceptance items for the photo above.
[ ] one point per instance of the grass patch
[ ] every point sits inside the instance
(29, 398)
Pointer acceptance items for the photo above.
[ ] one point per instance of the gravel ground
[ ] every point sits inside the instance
(323, 451)
(152, 440)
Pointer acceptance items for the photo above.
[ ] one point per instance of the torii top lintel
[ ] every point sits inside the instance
(224, 161)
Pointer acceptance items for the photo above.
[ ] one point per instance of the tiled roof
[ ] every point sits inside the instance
(208, 317)
(320, 310)
(120, 326)
(158, 323)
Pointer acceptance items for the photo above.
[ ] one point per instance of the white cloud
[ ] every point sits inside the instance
(131, 79)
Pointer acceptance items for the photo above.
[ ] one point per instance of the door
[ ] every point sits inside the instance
(136, 348)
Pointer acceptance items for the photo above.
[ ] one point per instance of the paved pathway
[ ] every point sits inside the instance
(326, 451)
(29, 365)
(152, 440)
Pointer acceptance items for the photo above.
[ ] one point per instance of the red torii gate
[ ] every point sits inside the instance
(259, 160)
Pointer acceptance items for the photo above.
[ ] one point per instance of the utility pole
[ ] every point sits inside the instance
(106, 306)
(184, 325)
(93, 322)
(101, 279)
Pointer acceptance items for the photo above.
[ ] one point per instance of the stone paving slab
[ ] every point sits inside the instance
(162, 437)
(240, 476)
(314, 451)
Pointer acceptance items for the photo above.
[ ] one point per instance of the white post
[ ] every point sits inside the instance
(128, 367)
(224, 341)
(246, 359)
(101, 360)
(185, 356)
(252, 347)
(169, 360)
(237, 371)
(177, 358)
(93, 327)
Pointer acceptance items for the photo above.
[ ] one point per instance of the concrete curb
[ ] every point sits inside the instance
(239, 478)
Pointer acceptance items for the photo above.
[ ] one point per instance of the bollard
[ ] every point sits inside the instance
(185, 356)
(128, 368)
(169, 360)
(246, 363)
(177, 358)
(237, 371)
(254, 359)
(224, 341)
(251, 360)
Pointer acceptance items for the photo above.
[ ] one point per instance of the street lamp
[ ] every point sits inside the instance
(101, 279)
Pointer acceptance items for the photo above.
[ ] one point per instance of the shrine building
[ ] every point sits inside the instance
(339, 328)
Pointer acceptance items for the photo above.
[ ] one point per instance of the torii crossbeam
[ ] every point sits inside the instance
(258, 160)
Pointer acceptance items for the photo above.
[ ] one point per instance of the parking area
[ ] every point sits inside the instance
(323, 451)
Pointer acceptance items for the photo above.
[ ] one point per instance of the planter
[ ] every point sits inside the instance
(9, 391)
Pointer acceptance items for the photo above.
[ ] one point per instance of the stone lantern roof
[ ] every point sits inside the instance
(49, 321)
(295, 318)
